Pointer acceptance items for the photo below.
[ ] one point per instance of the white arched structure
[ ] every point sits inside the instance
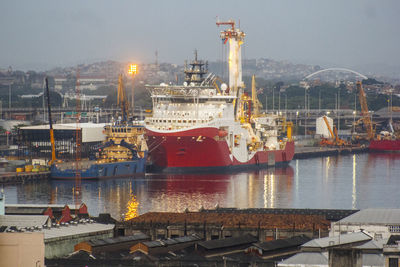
(336, 69)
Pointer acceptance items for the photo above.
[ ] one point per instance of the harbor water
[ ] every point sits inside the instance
(341, 182)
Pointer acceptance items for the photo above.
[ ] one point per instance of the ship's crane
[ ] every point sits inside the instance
(364, 112)
(236, 39)
(256, 103)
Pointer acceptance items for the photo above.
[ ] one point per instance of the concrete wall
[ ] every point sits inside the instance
(345, 257)
(62, 246)
(21, 249)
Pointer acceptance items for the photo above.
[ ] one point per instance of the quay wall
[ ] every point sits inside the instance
(313, 152)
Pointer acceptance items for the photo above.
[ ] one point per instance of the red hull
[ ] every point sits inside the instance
(200, 148)
(384, 145)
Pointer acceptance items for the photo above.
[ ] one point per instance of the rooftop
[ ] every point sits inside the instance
(242, 219)
(23, 221)
(283, 243)
(374, 216)
(171, 241)
(119, 239)
(306, 259)
(228, 242)
(337, 240)
(78, 229)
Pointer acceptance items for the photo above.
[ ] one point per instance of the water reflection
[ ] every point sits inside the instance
(352, 181)
(132, 208)
(354, 193)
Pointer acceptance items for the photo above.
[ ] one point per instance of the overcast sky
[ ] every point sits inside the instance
(42, 34)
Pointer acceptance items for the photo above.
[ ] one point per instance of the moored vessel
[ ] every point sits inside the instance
(123, 153)
(384, 141)
(385, 144)
(200, 126)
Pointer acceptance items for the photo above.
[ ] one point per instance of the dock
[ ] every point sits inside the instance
(23, 177)
(311, 152)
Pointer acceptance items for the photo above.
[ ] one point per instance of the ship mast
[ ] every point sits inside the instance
(195, 73)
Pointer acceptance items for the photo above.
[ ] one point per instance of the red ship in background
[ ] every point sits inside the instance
(385, 140)
(200, 126)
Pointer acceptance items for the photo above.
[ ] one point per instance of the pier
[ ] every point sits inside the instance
(312, 152)
(23, 177)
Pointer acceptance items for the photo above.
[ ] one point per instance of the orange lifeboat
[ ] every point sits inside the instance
(222, 133)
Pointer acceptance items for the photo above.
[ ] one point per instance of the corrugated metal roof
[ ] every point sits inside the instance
(171, 241)
(372, 244)
(283, 243)
(153, 244)
(228, 242)
(116, 240)
(374, 216)
(78, 229)
(336, 240)
(307, 258)
(187, 238)
(23, 221)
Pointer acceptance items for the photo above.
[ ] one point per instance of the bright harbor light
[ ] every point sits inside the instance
(132, 69)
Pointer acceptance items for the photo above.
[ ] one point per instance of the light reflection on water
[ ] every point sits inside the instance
(351, 181)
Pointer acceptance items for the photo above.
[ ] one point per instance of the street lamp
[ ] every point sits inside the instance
(133, 69)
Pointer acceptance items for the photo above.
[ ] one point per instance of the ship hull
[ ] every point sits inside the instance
(101, 170)
(201, 150)
(385, 145)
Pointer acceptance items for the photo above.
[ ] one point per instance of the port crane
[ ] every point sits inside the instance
(52, 142)
(78, 142)
(335, 140)
(364, 112)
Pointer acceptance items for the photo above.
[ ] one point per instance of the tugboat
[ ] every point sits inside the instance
(200, 126)
(123, 154)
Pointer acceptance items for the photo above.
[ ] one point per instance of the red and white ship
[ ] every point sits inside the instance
(200, 126)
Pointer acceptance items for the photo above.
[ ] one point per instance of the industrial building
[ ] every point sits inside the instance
(34, 141)
(265, 224)
(380, 223)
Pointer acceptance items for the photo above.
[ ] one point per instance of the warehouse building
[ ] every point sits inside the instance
(34, 141)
